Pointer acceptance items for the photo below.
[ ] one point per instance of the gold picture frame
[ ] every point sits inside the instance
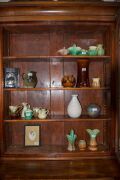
(32, 135)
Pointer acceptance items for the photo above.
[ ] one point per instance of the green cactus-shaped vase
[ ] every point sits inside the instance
(93, 134)
(71, 140)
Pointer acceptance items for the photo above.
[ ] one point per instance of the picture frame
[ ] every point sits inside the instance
(32, 135)
(11, 77)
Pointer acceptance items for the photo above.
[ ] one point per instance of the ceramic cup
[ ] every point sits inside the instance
(95, 82)
(82, 145)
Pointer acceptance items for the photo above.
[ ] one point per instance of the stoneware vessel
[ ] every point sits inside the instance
(82, 145)
(29, 79)
(92, 51)
(68, 81)
(71, 137)
(93, 143)
(93, 110)
(74, 50)
(100, 50)
(74, 108)
(96, 82)
(42, 113)
(28, 114)
(25, 107)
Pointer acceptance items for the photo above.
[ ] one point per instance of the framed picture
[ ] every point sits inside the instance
(11, 77)
(32, 135)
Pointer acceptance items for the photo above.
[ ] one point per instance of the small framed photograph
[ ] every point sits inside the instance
(11, 77)
(32, 135)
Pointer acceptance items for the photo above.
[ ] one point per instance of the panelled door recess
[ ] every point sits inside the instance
(58, 80)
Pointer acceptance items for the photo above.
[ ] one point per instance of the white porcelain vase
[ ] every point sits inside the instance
(74, 108)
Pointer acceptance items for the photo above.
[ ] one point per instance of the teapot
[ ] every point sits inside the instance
(74, 50)
(29, 79)
(42, 113)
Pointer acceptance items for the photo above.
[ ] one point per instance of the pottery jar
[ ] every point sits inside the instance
(74, 108)
(82, 145)
(95, 82)
(29, 79)
(100, 50)
(28, 114)
(42, 113)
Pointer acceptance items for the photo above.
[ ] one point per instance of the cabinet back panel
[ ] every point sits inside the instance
(32, 44)
(57, 102)
(52, 133)
(34, 98)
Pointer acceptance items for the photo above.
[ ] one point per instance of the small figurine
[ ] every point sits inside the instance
(93, 143)
(71, 140)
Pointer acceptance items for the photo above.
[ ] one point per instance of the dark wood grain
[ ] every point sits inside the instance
(83, 169)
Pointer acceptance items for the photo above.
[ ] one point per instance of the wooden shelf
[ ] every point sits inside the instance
(54, 151)
(54, 57)
(59, 119)
(55, 88)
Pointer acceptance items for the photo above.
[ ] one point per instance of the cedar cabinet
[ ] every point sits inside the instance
(31, 33)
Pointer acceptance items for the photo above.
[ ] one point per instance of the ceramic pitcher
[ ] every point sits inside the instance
(29, 79)
(42, 113)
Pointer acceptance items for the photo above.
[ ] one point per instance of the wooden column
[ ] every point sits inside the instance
(1, 90)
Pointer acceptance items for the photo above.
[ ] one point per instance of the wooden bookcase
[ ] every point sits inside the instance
(30, 36)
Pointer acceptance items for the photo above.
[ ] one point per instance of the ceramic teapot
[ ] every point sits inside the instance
(42, 113)
(74, 50)
(29, 79)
